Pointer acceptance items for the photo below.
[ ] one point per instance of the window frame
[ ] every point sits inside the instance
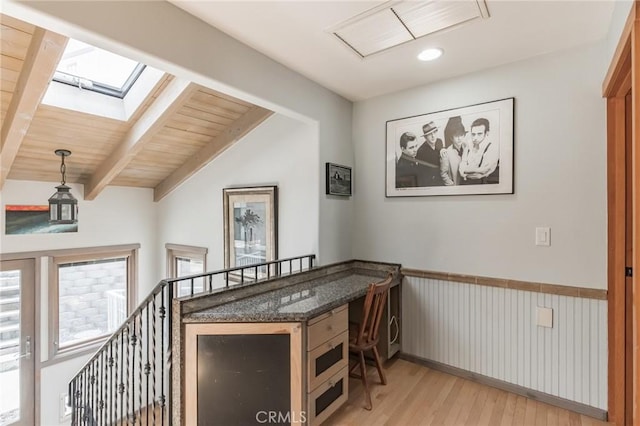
(129, 252)
(104, 89)
(174, 251)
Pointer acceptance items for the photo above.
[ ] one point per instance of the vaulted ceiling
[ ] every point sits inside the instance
(177, 129)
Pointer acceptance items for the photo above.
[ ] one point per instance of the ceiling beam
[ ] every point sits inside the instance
(172, 98)
(41, 60)
(236, 131)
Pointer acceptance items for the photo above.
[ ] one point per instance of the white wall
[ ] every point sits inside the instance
(281, 152)
(165, 37)
(559, 178)
(618, 19)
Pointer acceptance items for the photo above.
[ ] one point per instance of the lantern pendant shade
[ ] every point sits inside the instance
(63, 206)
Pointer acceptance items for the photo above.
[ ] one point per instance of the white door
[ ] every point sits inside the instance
(17, 326)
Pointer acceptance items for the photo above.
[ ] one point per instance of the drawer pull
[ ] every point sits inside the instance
(331, 383)
(330, 328)
(330, 346)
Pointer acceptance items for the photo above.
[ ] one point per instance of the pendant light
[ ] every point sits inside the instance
(63, 207)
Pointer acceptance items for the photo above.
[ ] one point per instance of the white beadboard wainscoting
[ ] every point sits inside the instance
(492, 331)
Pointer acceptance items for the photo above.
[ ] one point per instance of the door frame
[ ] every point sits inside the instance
(31, 266)
(623, 77)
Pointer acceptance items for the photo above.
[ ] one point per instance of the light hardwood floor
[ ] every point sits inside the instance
(417, 395)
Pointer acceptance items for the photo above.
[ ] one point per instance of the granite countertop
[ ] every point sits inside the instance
(299, 302)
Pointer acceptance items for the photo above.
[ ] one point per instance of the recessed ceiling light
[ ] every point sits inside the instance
(430, 54)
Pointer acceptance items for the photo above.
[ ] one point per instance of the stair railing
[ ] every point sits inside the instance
(128, 380)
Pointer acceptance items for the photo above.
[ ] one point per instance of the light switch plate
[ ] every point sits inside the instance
(544, 317)
(543, 236)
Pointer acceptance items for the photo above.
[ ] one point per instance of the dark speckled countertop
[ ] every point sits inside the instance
(299, 302)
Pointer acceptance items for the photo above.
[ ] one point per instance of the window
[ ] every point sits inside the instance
(91, 294)
(183, 261)
(95, 69)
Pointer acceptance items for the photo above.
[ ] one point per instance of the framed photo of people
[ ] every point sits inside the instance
(461, 151)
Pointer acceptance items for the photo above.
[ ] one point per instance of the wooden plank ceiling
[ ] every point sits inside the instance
(178, 129)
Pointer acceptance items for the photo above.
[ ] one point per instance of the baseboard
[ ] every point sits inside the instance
(566, 404)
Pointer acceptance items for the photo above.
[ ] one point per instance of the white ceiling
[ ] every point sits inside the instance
(295, 34)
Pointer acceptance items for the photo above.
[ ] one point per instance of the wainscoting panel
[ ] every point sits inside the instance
(492, 331)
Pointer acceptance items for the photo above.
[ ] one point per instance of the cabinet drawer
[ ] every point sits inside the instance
(328, 397)
(327, 359)
(327, 326)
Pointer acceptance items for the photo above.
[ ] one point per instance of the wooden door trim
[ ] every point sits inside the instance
(623, 75)
(616, 256)
(635, 177)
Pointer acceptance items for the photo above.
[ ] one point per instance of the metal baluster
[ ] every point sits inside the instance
(226, 279)
(97, 409)
(121, 384)
(96, 398)
(169, 351)
(290, 266)
(115, 387)
(75, 421)
(140, 368)
(255, 273)
(85, 387)
(92, 405)
(242, 276)
(90, 389)
(111, 391)
(147, 366)
(153, 354)
(127, 385)
(96, 391)
(106, 394)
(300, 264)
(210, 283)
(191, 289)
(134, 338)
(162, 317)
(72, 392)
(81, 397)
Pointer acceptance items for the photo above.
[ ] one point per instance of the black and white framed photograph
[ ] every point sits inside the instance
(338, 180)
(461, 151)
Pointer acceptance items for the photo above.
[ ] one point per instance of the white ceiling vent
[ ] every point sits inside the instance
(397, 22)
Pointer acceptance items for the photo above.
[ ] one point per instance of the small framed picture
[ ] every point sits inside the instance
(338, 180)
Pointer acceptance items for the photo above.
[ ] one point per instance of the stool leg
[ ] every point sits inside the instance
(383, 380)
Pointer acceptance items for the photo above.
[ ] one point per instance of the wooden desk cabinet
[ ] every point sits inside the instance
(327, 364)
(297, 370)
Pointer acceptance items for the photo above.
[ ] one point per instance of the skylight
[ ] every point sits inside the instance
(92, 68)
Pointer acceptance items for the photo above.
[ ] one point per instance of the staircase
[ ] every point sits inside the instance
(128, 381)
